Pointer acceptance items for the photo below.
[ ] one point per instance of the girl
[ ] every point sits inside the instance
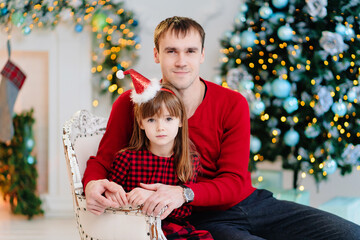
(159, 152)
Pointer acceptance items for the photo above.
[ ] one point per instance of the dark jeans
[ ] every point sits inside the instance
(261, 216)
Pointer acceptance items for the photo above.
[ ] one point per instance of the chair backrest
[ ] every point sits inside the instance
(81, 137)
(82, 133)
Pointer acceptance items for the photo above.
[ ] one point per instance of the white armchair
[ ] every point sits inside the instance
(81, 137)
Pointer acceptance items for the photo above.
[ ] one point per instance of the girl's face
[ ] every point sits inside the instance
(161, 130)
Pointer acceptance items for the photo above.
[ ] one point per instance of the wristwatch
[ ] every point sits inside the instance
(188, 194)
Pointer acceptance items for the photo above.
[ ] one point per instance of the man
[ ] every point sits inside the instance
(225, 203)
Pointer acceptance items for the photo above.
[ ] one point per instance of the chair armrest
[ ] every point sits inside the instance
(137, 222)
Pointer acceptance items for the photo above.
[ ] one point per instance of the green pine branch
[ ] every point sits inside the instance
(18, 173)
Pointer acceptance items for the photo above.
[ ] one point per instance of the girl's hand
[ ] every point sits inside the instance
(138, 196)
(117, 195)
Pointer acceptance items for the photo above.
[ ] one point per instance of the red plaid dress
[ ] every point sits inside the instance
(130, 168)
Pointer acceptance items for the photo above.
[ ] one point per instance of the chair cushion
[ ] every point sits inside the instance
(85, 147)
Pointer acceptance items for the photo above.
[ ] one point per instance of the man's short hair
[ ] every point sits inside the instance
(178, 25)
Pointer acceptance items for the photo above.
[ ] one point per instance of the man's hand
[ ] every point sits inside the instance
(138, 196)
(95, 201)
(117, 194)
(164, 195)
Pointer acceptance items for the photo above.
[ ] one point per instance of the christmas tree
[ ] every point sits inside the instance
(18, 172)
(297, 63)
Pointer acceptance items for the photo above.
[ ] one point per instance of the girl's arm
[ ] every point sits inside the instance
(117, 174)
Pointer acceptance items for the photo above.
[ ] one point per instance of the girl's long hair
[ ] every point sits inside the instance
(175, 106)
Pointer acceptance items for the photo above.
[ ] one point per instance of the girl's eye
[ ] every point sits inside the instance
(150, 120)
(169, 119)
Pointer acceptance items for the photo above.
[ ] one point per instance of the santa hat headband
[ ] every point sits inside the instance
(144, 89)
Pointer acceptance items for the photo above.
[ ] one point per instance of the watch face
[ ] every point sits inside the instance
(189, 194)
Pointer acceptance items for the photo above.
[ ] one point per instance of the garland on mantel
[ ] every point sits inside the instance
(114, 33)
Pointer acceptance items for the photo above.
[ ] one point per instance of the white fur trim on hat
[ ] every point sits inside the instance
(148, 94)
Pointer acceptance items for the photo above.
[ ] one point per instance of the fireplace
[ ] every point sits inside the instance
(57, 64)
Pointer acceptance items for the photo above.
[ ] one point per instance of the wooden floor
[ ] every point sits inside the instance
(39, 228)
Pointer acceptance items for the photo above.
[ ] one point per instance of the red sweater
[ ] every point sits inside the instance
(220, 130)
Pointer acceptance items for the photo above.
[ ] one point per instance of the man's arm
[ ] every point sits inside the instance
(95, 201)
(228, 180)
(116, 137)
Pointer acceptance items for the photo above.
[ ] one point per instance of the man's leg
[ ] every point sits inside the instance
(264, 216)
(276, 219)
(227, 231)
(224, 225)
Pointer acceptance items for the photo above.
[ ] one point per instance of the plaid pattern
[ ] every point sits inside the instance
(183, 230)
(11, 82)
(130, 168)
(13, 74)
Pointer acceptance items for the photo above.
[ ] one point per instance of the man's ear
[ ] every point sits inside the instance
(156, 55)
(202, 55)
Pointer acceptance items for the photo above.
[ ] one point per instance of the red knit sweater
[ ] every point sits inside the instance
(220, 130)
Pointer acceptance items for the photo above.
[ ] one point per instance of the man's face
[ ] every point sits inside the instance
(180, 58)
